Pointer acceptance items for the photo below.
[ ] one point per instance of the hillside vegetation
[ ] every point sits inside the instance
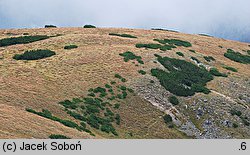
(21, 40)
(91, 82)
(34, 55)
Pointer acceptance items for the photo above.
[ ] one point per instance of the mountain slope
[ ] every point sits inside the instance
(42, 84)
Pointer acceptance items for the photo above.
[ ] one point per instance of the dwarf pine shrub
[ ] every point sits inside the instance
(21, 40)
(34, 55)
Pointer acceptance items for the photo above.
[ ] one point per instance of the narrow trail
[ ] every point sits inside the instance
(229, 98)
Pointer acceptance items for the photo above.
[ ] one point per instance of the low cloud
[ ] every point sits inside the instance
(222, 18)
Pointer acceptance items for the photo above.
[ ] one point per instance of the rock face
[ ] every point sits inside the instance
(211, 115)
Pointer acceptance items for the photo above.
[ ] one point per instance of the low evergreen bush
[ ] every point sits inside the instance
(142, 72)
(120, 77)
(155, 46)
(235, 112)
(21, 40)
(53, 136)
(175, 42)
(184, 78)
(70, 47)
(215, 72)
(180, 54)
(47, 114)
(235, 125)
(131, 56)
(167, 119)
(174, 100)
(237, 57)
(160, 29)
(209, 58)
(89, 26)
(34, 55)
(50, 26)
(195, 59)
(123, 35)
(230, 68)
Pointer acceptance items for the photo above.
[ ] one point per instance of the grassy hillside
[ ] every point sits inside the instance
(99, 85)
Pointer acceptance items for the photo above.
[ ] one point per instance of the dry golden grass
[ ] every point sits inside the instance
(17, 123)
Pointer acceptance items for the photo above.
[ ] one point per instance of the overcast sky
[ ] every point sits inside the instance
(222, 18)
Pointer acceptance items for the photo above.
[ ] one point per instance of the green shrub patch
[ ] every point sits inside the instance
(209, 58)
(68, 104)
(235, 125)
(167, 119)
(117, 106)
(47, 114)
(34, 55)
(174, 100)
(230, 68)
(142, 72)
(160, 29)
(21, 40)
(68, 47)
(155, 46)
(206, 35)
(238, 113)
(50, 26)
(245, 121)
(215, 72)
(235, 112)
(237, 57)
(123, 35)
(118, 76)
(118, 119)
(98, 112)
(175, 42)
(53, 136)
(165, 44)
(131, 56)
(195, 59)
(151, 46)
(184, 78)
(89, 26)
(180, 54)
